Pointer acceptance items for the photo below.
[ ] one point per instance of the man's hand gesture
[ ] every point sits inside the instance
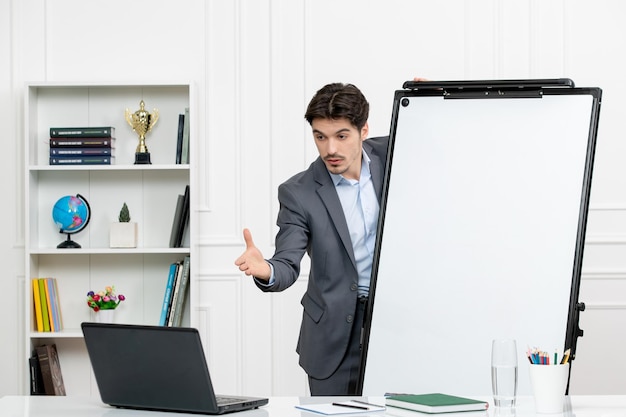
(252, 262)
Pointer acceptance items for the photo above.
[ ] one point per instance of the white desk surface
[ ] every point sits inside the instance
(50, 406)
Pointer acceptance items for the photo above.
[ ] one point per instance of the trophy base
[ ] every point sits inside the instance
(142, 158)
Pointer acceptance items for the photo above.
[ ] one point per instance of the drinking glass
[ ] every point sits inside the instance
(504, 372)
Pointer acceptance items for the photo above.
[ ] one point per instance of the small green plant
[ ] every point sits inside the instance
(124, 214)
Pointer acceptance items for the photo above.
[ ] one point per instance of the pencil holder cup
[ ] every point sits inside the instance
(548, 384)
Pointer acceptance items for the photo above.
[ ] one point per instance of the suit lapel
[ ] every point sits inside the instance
(376, 170)
(328, 194)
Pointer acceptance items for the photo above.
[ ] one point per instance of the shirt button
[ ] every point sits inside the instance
(350, 318)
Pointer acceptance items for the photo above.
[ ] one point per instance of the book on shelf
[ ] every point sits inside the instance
(53, 304)
(184, 221)
(57, 302)
(82, 143)
(83, 132)
(167, 296)
(181, 219)
(178, 213)
(180, 295)
(435, 403)
(44, 305)
(50, 369)
(184, 289)
(36, 378)
(37, 305)
(50, 307)
(72, 151)
(186, 130)
(82, 160)
(175, 291)
(179, 138)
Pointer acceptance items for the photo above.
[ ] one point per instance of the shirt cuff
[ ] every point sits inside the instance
(271, 281)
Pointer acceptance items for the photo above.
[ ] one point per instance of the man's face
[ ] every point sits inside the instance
(339, 145)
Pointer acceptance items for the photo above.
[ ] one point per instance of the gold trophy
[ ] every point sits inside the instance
(142, 122)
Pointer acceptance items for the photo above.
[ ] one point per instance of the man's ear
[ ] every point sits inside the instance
(364, 131)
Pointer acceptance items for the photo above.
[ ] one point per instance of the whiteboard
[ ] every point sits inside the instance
(480, 236)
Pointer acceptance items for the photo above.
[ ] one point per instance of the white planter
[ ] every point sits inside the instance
(123, 235)
(105, 316)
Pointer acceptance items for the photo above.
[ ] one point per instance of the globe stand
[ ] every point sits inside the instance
(68, 244)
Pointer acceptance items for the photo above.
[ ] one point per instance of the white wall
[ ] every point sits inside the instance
(256, 64)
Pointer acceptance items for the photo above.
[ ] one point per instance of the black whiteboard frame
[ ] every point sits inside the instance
(495, 89)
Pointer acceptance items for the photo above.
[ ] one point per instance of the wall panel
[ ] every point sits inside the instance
(256, 65)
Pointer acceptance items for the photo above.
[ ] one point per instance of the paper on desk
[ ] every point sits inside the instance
(330, 409)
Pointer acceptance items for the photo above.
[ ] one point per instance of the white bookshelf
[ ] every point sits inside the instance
(150, 191)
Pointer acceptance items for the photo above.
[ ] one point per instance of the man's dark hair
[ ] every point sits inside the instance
(336, 101)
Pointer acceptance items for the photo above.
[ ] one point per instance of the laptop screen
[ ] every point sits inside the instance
(150, 367)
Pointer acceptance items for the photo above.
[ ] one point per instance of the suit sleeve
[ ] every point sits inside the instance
(291, 241)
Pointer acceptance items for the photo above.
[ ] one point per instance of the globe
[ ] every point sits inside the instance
(71, 214)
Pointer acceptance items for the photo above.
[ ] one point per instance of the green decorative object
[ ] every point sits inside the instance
(123, 233)
(124, 214)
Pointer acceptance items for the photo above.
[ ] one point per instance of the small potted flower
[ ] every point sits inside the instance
(104, 303)
(123, 233)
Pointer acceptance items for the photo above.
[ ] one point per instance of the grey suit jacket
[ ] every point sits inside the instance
(311, 220)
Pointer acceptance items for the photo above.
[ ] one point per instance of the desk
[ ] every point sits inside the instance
(49, 406)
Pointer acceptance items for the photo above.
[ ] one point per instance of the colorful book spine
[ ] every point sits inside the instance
(81, 160)
(37, 305)
(182, 294)
(82, 132)
(46, 285)
(53, 303)
(167, 297)
(44, 305)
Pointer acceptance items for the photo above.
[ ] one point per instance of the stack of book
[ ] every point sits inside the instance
(45, 371)
(175, 293)
(82, 145)
(46, 305)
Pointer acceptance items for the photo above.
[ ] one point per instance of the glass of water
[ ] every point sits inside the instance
(504, 372)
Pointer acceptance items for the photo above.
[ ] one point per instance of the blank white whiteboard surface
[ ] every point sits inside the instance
(479, 238)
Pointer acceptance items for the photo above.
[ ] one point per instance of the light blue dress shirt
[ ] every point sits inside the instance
(360, 207)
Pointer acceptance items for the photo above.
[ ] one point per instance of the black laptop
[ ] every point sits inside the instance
(156, 368)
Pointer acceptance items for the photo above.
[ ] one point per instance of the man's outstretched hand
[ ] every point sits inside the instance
(252, 262)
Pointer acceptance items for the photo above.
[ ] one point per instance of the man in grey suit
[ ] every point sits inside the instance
(329, 211)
